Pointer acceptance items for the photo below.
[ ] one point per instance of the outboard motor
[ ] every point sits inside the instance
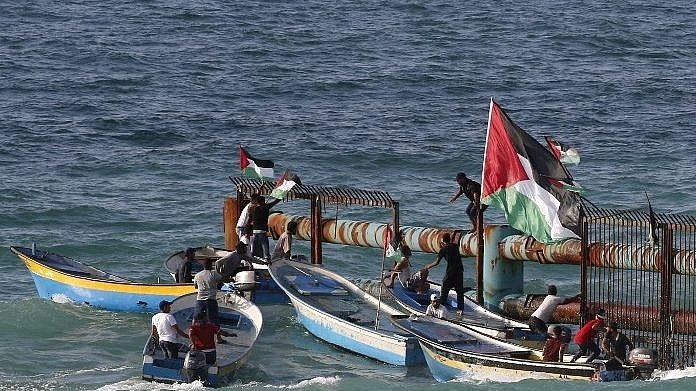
(245, 280)
(644, 360)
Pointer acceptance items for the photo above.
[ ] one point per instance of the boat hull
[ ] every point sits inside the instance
(122, 295)
(237, 315)
(353, 335)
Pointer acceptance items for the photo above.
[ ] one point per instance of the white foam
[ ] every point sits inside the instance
(61, 298)
(142, 385)
(674, 374)
(322, 380)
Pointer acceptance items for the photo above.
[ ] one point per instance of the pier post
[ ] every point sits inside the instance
(501, 277)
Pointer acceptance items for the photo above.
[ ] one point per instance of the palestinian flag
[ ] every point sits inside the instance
(285, 183)
(526, 181)
(562, 152)
(255, 168)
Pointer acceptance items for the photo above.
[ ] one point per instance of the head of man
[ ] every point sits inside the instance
(201, 317)
(461, 178)
(446, 238)
(601, 314)
(435, 300)
(552, 290)
(189, 254)
(208, 264)
(292, 227)
(165, 306)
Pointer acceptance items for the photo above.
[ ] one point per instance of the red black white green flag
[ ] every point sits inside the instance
(526, 181)
(563, 152)
(285, 183)
(253, 167)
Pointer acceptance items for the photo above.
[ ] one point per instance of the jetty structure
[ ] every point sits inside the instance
(638, 265)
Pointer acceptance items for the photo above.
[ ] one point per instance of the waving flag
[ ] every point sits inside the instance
(563, 153)
(388, 248)
(521, 177)
(285, 183)
(255, 168)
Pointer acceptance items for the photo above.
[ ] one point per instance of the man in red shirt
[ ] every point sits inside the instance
(202, 334)
(585, 338)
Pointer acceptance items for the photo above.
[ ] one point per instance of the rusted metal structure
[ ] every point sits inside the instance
(640, 267)
(318, 196)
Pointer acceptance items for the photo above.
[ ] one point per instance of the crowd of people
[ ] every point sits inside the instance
(205, 333)
(252, 229)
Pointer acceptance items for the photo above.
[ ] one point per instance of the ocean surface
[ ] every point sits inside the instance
(120, 124)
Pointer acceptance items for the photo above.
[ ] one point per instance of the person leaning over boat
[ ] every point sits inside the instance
(202, 335)
(472, 190)
(616, 344)
(585, 338)
(231, 263)
(454, 274)
(402, 269)
(206, 282)
(243, 220)
(544, 313)
(259, 222)
(283, 246)
(435, 309)
(183, 272)
(165, 329)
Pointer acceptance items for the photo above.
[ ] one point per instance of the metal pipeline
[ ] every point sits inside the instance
(512, 247)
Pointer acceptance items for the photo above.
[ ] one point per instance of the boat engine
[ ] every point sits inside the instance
(245, 280)
(644, 360)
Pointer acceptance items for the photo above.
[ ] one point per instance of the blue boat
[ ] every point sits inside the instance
(236, 315)
(474, 315)
(338, 312)
(454, 351)
(63, 279)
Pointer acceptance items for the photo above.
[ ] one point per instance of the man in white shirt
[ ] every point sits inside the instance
(283, 246)
(435, 309)
(165, 328)
(543, 314)
(243, 219)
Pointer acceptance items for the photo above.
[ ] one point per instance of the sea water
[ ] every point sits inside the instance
(120, 123)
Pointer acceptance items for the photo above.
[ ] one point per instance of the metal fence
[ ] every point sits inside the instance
(640, 267)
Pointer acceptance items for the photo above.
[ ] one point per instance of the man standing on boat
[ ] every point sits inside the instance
(472, 190)
(454, 274)
(544, 313)
(585, 338)
(206, 282)
(259, 222)
(165, 329)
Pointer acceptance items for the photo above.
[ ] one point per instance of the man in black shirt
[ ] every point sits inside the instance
(454, 274)
(472, 190)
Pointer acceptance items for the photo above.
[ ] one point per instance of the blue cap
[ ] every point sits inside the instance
(164, 303)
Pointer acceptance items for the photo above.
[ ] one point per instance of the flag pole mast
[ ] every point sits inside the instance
(479, 219)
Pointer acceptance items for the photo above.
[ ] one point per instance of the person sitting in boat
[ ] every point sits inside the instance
(402, 269)
(183, 272)
(233, 262)
(165, 329)
(202, 335)
(435, 309)
(419, 281)
(283, 246)
(585, 338)
(206, 282)
(544, 313)
(615, 345)
(555, 345)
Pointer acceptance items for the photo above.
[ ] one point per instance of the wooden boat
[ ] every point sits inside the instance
(338, 312)
(236, 315)
(474, 316)
(256, 281)
(453, 350)
(62, 279)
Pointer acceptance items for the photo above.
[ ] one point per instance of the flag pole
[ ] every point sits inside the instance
(479, 218)
(381, 276)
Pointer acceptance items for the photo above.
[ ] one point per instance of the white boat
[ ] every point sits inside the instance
(236, 315)
(338, 312)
